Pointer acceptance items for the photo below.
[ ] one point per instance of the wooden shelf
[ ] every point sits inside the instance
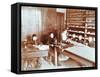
(80, 16)
(83, 20)
(75, 21)
(91, 28)
(92, 34)
(77, 27)
(76, 31)
(83, 27)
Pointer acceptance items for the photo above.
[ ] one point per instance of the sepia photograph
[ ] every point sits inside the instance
(57, 38)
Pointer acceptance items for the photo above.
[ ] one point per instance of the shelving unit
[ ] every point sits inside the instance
(81, 23)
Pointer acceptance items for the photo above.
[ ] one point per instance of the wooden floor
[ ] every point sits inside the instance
(62, 64)
(70, 63)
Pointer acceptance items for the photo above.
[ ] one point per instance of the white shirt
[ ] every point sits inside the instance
(64, 35)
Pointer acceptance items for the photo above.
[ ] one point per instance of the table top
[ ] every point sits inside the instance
(42, 47)
(42, 51)
(82, 51)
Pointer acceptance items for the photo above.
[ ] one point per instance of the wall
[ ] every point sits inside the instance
(34, 18)
(31, 21)
(5, 39)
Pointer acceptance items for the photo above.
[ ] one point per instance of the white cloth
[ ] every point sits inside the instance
(64, 35)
